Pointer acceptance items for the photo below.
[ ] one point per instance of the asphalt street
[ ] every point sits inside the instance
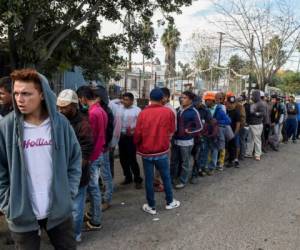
(256, 207)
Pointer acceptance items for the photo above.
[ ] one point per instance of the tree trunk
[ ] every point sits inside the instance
(13, 54)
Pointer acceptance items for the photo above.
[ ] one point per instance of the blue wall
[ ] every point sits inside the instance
(73, 79)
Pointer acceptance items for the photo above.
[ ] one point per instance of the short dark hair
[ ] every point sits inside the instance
(129, 95)
(5, 83)
(189, 94)
(166, 92)
(27, 75)
(87, 92)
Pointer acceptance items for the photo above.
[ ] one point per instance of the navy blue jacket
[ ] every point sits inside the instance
(188, 119)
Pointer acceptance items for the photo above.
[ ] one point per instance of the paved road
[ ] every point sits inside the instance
(255, 207)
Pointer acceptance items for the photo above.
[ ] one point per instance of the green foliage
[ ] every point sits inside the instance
(290, 82)
(170, 40)
(237, 63)
(185, 69)
(52, 35)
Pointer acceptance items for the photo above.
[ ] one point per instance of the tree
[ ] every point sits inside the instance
(98, 57)
(185, 69)
(236, 63)
(205, 56)
(35, 29)
(266, 31)
(290, 82)
(170, 40)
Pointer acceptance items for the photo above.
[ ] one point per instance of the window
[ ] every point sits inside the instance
(134, 84)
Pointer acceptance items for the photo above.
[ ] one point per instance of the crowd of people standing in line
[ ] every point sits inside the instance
(54, 151)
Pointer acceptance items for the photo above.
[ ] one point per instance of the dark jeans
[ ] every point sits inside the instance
(298, 130)
(284, 132)
(61, 237)
(291, 128)
(265, 135)
(201, 156)
(233, 146)
(243, 141)
(112, 161)
(127, 152)
(161, 163)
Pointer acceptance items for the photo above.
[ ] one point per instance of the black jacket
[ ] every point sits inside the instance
(5, 109)
(81, 126)
(256, 113)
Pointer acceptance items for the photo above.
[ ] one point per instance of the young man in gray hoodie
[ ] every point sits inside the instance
(40, 165)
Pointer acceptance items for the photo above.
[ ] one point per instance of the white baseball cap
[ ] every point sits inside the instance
(67, 97)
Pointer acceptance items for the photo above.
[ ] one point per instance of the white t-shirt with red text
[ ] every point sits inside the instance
(38, 158)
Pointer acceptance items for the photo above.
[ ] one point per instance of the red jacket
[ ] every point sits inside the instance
(98, 122)
(154, 128)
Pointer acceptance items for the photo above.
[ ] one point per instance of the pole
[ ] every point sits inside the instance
(140, 78)
(155, 78)
(129, 38)
(251, 65)
(211, 76)
(125, 80)
(220, 47)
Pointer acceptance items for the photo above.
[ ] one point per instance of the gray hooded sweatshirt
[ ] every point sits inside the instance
(15, 199)
(257, 109)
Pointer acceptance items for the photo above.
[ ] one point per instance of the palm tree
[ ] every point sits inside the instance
(170, 40)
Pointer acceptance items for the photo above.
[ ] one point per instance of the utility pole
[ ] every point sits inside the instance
(220, 47)
(251, 65)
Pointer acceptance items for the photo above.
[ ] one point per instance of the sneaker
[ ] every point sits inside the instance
(173, 204)
(294, 141)
(236, 163)
(89, 226)
(257, 158)
(150, 210)
(105, 206)
(220, 168)
(179, 186)
(248, 156)
(202, 173)
(78, 238)
(138, 185)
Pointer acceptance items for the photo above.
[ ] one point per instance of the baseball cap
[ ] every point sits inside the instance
(66, 97)
(209, 96)
(231, 99)
(156, 94)
(262, 94)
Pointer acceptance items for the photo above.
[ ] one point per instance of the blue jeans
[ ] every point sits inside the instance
(201, 156)
(107, 178)
(94, 191)
(78, 210)
(213, 150)
(161, 163)
(181, 155)
(291, 128)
